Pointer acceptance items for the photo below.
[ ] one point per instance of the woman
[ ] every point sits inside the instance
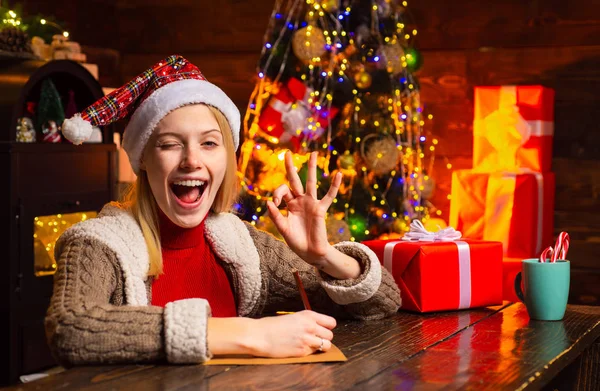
(140, 282)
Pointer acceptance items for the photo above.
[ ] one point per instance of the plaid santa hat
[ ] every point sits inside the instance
(168, 85)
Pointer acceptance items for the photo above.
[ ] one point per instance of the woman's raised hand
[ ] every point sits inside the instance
(304, 227)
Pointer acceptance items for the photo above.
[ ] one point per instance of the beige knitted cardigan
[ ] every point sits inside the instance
(100, 311)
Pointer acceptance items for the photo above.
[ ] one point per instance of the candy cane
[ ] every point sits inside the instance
(565, 246)
(547, 253)
(561, 247)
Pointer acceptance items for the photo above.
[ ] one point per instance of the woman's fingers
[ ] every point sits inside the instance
(311, 177)
(321, 319)
(319, 344)
(278, 219)
(283, 192)
(292, 175)
(333, 190)
(324, 333)
(295, 189)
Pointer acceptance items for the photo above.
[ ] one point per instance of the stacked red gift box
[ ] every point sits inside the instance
(508, 196)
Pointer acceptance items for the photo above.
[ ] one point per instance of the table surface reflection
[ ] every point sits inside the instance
(492, 348)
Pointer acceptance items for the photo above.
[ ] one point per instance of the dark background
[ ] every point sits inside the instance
(464, 43)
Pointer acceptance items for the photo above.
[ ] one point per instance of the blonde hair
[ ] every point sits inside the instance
(142, 204)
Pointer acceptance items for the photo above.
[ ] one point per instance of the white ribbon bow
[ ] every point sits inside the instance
(418, 233)
(295, 118)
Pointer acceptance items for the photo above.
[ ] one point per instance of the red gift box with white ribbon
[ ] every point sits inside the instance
(443, 275)
(513, 128)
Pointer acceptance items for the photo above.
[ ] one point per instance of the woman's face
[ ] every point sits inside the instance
(185, 161)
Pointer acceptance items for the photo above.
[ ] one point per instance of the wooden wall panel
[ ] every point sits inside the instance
(192, 26)
(472, 24)
(444, 78)
(578, 186)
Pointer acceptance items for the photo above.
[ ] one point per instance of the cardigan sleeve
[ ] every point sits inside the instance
(88, 322)
(372, 295)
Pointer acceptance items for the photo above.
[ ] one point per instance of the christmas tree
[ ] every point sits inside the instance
(50, 113)
(338, 78)
(50, 107)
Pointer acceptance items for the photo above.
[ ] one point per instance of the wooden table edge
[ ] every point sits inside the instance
(568, 356)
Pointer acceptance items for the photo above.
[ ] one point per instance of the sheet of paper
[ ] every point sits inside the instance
(332, 355)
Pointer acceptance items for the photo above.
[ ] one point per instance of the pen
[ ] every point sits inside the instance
(302, 291)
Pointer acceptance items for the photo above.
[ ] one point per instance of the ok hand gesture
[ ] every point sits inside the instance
(304, 226)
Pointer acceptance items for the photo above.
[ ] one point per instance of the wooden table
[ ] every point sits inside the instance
(493, 348)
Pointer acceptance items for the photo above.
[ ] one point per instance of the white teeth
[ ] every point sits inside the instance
(193, 183)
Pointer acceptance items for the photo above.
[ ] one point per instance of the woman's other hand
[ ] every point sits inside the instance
(293, 335)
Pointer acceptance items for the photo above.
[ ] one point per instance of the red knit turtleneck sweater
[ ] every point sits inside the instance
(191, 270)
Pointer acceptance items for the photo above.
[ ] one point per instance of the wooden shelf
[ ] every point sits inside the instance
(5, 55)
(11, 146)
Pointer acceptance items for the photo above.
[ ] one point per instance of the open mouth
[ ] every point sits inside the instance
(188, 191)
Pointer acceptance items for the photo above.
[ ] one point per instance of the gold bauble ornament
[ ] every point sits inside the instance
(330, 5)
(391, 57)
(381, 155)
(363, 79)
(346, 161)
(308, 43)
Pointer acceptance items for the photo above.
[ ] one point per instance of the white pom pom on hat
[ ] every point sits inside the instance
(76, 129)
(148, 98)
